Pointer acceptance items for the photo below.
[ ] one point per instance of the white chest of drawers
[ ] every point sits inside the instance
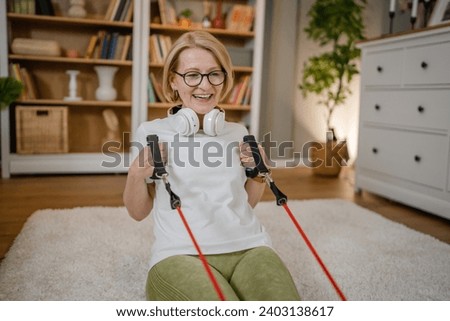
(404, 122)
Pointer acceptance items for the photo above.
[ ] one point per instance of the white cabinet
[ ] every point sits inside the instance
(404, 128)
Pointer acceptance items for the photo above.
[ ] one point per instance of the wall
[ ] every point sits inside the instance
(310, 124)
(277, 114)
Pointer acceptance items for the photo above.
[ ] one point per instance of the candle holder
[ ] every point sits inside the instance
(391, 21)
(427, 7)
(413, 22)
(72, 86)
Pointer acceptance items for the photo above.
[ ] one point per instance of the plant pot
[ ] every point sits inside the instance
(328, 158)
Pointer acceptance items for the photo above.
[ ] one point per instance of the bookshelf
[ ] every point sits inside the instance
(86, 123)
(87, 126)
(247, 43)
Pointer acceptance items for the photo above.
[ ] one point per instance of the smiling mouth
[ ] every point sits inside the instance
(202, 96)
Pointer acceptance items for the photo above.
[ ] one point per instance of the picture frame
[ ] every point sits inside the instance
(441, 13)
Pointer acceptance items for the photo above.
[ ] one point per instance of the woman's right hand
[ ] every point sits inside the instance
(143, 165)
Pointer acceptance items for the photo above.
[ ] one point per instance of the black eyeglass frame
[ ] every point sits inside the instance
(202, 75)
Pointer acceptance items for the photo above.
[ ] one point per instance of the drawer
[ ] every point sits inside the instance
(427, 65)
(382, 68)
(420, 108)
(417, 157)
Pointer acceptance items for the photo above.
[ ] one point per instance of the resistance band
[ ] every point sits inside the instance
(175, 203)
(281, 199)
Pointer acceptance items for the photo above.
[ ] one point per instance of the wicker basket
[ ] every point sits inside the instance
(41, 130)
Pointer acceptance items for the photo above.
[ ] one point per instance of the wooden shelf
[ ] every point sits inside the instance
(81, 103)
(224, 106)
(109, 62)
(216, 32)
(235, 68)
(95, 21)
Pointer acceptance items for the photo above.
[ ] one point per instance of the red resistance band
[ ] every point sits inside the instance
(314, 252)
(202, 257)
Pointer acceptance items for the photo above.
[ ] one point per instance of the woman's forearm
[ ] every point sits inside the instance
(255, 191)
(138, 197)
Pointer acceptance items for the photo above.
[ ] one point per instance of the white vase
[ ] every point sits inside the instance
(106, 91)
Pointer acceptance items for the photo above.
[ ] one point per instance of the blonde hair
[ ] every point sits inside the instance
(196, 39)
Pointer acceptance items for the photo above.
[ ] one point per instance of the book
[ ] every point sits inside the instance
(105, 46)
(114, 10)
(171, 15)
(119, 11)
(150, 92)
(248, 93)
(125, 10)
(45, 7)
(242, 89)
(30, 88)
(129, 16)
(157, 87)
(247, 21)
(162, 11)
(159, 47)
(91, 47)
(14, 71)
(126, 47)
(152, 43)
(119, 47)
(234, 17)
(240, 18)
(109, 10)
(101, 34)
(239, 90)
(112, 45)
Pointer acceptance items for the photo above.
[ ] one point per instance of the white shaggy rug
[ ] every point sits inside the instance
(99, 253)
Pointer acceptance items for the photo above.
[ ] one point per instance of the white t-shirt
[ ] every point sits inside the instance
(206, 173)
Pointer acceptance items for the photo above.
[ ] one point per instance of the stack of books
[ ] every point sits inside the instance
(119, 10)
(241, 93)
(109, 45)
(159, 48)
(21, 74)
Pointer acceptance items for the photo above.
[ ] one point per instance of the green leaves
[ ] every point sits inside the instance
(339, 24)
(333, 19)
(10, 90)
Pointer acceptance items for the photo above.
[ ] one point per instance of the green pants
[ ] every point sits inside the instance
(257, 274)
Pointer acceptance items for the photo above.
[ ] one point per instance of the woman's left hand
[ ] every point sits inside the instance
(246, 155)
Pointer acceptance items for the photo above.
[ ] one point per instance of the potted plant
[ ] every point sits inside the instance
(10, 90)
(338, 25)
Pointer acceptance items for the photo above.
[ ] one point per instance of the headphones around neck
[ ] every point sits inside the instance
(186, 121)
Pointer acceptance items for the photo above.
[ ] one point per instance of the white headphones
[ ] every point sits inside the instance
(186, 121)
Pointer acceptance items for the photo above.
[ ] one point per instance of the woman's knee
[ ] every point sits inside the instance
(183, 278)
(261, 275)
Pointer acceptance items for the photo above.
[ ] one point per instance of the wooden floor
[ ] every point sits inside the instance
(21, 196)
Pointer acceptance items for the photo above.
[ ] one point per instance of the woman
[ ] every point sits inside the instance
(205, 169)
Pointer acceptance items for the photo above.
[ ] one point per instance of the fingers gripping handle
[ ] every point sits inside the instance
(160, 171)
(260, 166)
(153, 143)
(261, 169)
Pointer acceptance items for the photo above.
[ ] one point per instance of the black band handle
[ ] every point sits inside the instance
(153, 143)
(260, 166)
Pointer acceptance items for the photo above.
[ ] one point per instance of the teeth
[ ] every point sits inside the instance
(202, 96)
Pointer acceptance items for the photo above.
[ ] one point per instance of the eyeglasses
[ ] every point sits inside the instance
(194, 78)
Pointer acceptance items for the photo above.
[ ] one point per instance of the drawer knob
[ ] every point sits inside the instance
(379, 68)
(420, 109)
(424, 65)
(417, 158)
(377, 107)
(375, 150)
